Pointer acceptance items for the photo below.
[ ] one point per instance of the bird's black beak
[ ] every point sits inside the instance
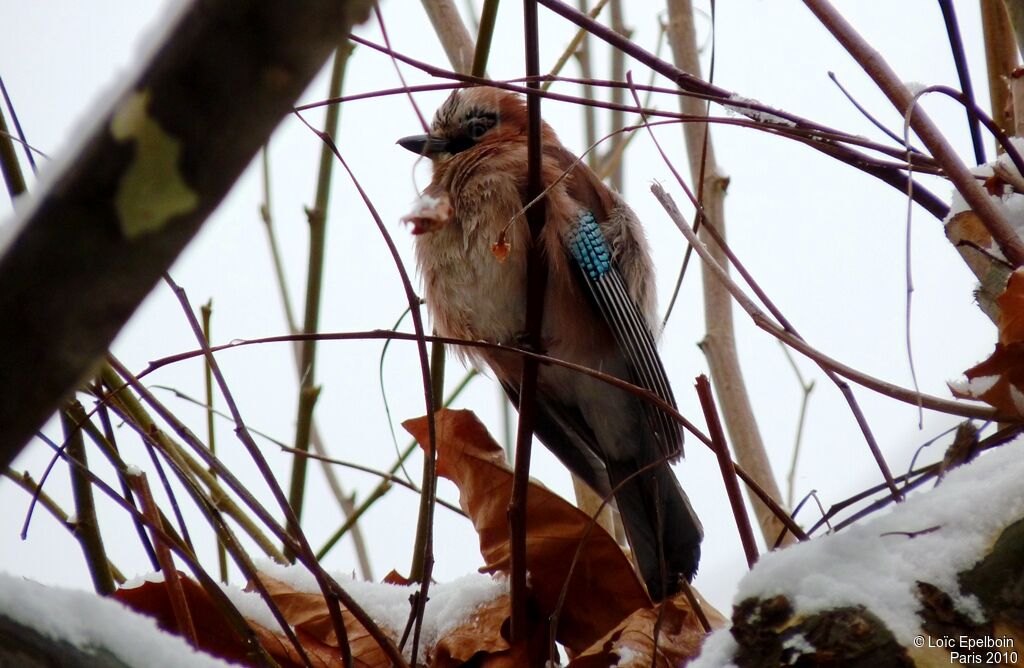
(427, 145)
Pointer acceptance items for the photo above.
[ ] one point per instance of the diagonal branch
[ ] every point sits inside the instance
(894, 89)
(113, 229)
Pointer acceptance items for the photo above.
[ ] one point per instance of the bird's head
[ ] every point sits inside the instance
(469, 118)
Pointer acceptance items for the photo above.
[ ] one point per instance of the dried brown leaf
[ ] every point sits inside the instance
(998, 381)
(631, 643)
(1011, 310)
(215, 635)
(967, 228)
(604, 588)
(481, 634)
(500, 248)
(307, 613)
(995, 185)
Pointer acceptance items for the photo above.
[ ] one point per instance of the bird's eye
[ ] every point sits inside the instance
(477, 128)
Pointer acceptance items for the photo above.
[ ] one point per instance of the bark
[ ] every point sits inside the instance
(156, 163)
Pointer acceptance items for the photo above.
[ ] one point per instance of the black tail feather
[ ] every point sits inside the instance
(663, 530)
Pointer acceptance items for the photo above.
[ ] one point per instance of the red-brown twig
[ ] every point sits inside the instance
(429, 464)
(785, 332)
(536, 281)
(956, 408)
(179, 606)
(890, 84)
(811, 134)
(725, 465)
(256, 653)
(331, 590)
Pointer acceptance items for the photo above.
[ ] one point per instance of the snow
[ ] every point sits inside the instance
(86, 620)
(450, 604)
(974, 387)
(759, 115)
(877, 565)
(155, 577)
(717, 652)
(626, 656)
(798, 643)
(915, 88)
(424, 204)
(252, 606)
(1011, 204)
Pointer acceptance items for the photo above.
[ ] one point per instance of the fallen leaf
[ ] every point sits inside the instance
(631, 643)
(998, 381)
(604, 588)
(1011, 310)
(973, 241)
(307, 613)
(396, 578)
(215, 635)
(995, 185)
(480, 635)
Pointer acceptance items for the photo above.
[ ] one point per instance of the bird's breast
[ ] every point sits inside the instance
(472, 291)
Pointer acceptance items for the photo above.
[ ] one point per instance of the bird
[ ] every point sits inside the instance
(599, 311)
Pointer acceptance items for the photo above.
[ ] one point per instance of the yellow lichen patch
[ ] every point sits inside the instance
(152, 190)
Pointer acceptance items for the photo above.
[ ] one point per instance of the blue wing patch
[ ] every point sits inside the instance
(589, 248)
(611, 297)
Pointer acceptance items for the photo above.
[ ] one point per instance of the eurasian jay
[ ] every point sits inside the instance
(599, 311)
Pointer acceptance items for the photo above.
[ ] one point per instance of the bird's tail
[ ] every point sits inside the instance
(658, 519)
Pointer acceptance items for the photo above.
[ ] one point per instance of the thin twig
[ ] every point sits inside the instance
(893, 87)
(108, 444)
(719, 344)
(536, 282)
(805, 388)
(317, 218)
(577, 45)
(14, 178)
(488, 17)
(17, 128)
(1001, 60)
(429, 467)
(255, 651)
(618, 73)
(344, 500)
(789, 335)
(739, 511)
(385, 485)
(956, 45)
(325, 582)
(207, 311)
(172, 581)
(87, 528)
(25, 481)
(955, 408)
(135, 415)
(867, 114)
(695, 86)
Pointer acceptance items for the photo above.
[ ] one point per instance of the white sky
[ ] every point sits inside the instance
(825, 241)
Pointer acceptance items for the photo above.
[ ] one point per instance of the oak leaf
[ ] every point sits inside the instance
(679, 637)
(603, 589)
(214, 634)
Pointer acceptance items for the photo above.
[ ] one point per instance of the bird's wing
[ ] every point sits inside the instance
(611, 296)
(564, 431)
